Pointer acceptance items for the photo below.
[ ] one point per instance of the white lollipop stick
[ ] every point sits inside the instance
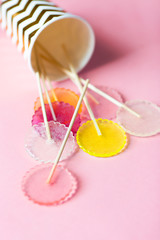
(43, 107)
(76, 80)
(48, 81)
(111, 99)
(48, 99)
(67, 133)
(46, 92)
(93, 98)
(48, 134)
(51, 88)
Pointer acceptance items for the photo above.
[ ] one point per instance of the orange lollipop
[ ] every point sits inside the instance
(62, 95)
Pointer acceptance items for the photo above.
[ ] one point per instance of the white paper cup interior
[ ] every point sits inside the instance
(71, 31)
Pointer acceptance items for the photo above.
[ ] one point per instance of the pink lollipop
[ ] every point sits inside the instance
(36, 189)
(63, 112)
(104, 108)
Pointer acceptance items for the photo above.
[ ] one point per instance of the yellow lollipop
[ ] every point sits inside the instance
(112, 141)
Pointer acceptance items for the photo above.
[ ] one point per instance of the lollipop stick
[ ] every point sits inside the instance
(48, 134)
(43, 107)
(52, 90)
(93, 98)
(46, 92)
(49, 100)
(76, 80)
(67, 133)
(74, 77)
(111, 99)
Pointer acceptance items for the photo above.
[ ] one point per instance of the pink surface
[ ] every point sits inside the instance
(118, 197)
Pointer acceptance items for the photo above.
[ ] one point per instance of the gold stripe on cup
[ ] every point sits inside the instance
(9, 14)
(12, 13)
(34, 32)
(4, 7)
(37, 25)
(29, 22)
(10, 10)
(17, 16)
(14, 19)
(26, 14)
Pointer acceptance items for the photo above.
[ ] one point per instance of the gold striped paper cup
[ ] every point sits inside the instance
(46, 28)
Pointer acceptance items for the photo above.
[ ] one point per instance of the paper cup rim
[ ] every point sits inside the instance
(67, 15)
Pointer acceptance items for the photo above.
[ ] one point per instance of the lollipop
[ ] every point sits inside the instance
(63, 112)
(112, 141)
(147, 125)
(38, 146)
(103, 108)
(62, 95)
(37, 190)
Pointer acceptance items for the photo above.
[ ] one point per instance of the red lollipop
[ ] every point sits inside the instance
(63, 112)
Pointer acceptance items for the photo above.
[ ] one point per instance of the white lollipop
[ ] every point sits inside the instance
(44, 150)
(146, 125)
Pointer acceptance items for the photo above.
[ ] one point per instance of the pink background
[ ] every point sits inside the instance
(118, 197)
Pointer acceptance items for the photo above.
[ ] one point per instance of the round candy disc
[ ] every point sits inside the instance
(63, 112)
(105, 108)
(147, 125)
(61, 189)
(44, 150)
(112, 141)
(63, 95)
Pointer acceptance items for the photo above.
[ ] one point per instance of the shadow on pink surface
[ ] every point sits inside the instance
(105, 52)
